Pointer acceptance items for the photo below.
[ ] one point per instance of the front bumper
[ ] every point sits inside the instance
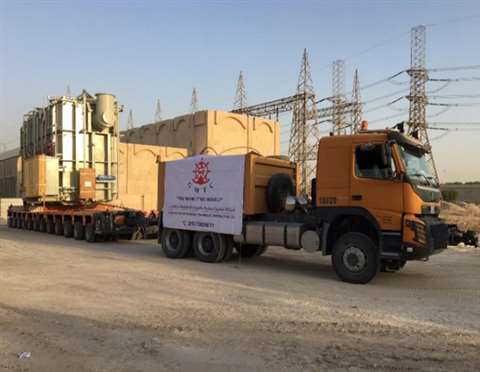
(431, 236)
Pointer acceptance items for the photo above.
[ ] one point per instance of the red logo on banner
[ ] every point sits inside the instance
(200, 173)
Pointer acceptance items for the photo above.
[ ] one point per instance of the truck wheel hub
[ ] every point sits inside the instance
(354, 259)
(173, 240)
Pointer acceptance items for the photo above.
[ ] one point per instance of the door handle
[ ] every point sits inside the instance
(357, 197)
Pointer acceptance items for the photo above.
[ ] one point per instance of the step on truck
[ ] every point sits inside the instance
(374, 205)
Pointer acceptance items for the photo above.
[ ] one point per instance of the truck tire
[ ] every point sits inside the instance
(176, 243)
(36, 224)
(58, 228)
(279, 186)
(228, 248)
(208, 246)
(90, 235)
(78, 231)
(67, 229)
(250, 250)
(355, 258)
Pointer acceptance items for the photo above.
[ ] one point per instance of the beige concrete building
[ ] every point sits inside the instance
(10, 174)
(211, 132)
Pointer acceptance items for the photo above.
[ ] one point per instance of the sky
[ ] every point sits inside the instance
(142, 51)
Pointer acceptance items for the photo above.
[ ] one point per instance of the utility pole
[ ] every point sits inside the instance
(356, 113)
(339, 99)
(68, 93)
(158, 112)
(302, 147)
(240, 95)
(417, 122)
(194, 101)
(130, 120)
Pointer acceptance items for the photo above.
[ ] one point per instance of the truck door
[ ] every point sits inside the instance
(374, 186)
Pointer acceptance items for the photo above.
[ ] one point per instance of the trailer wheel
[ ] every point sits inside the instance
(67, 229)
(355, 258)
(43, 225)
(78, 231)
(208, 246)
(19, 223)
(36, 224)
(50, 227)
(250, 250)
(58, 228)
(279, 187)
(90, 235)
(176, 243)
(10, 222)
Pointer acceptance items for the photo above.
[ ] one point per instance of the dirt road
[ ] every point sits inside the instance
(124, 307)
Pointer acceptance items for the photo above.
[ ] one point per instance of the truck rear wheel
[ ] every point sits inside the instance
(176, 243)
(250, 250)
(78, 231)
(208, 246)
(355, 258)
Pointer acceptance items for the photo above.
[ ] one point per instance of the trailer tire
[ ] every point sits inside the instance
(279, 187)
(78, 231)
(43, 225)
(355, 258)
(50, 227)
(176, 243)
(209, 246)
(36, 224)
(9, 222)
(19, 223)
(67, 229)
(58, 228)
(250, 250)
(90, 235)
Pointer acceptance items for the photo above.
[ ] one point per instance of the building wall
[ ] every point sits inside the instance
(10, 174)
(4, 204)
(211, 132)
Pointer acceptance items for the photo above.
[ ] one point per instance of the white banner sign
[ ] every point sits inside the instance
(205, 193)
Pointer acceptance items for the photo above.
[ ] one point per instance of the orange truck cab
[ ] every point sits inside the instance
(377, 184)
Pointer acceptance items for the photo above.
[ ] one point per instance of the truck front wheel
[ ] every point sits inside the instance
(209, 247)
(176, 243)
(355, 258)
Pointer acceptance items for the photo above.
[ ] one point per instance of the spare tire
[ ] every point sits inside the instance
(279, 186)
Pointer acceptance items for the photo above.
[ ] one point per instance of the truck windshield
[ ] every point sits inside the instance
(417, 167)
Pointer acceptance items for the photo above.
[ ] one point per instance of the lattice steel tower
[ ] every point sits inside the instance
(130, 124)
(302, 147)
(339, 100)
(240, 95)
(194, 101)
(158, 111)
(356, 113)
(417, 122)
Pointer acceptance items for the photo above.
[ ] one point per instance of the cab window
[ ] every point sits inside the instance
(370, 162)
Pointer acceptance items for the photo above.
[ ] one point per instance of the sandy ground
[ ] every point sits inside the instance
(124, 307)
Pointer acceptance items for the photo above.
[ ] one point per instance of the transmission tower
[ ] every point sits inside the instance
(68, 93)
(130, 120)
(417, 123)
(302, 147)
(240, 94)
(339, 99)
(158, 112)
(194, 101)
(356, 113)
